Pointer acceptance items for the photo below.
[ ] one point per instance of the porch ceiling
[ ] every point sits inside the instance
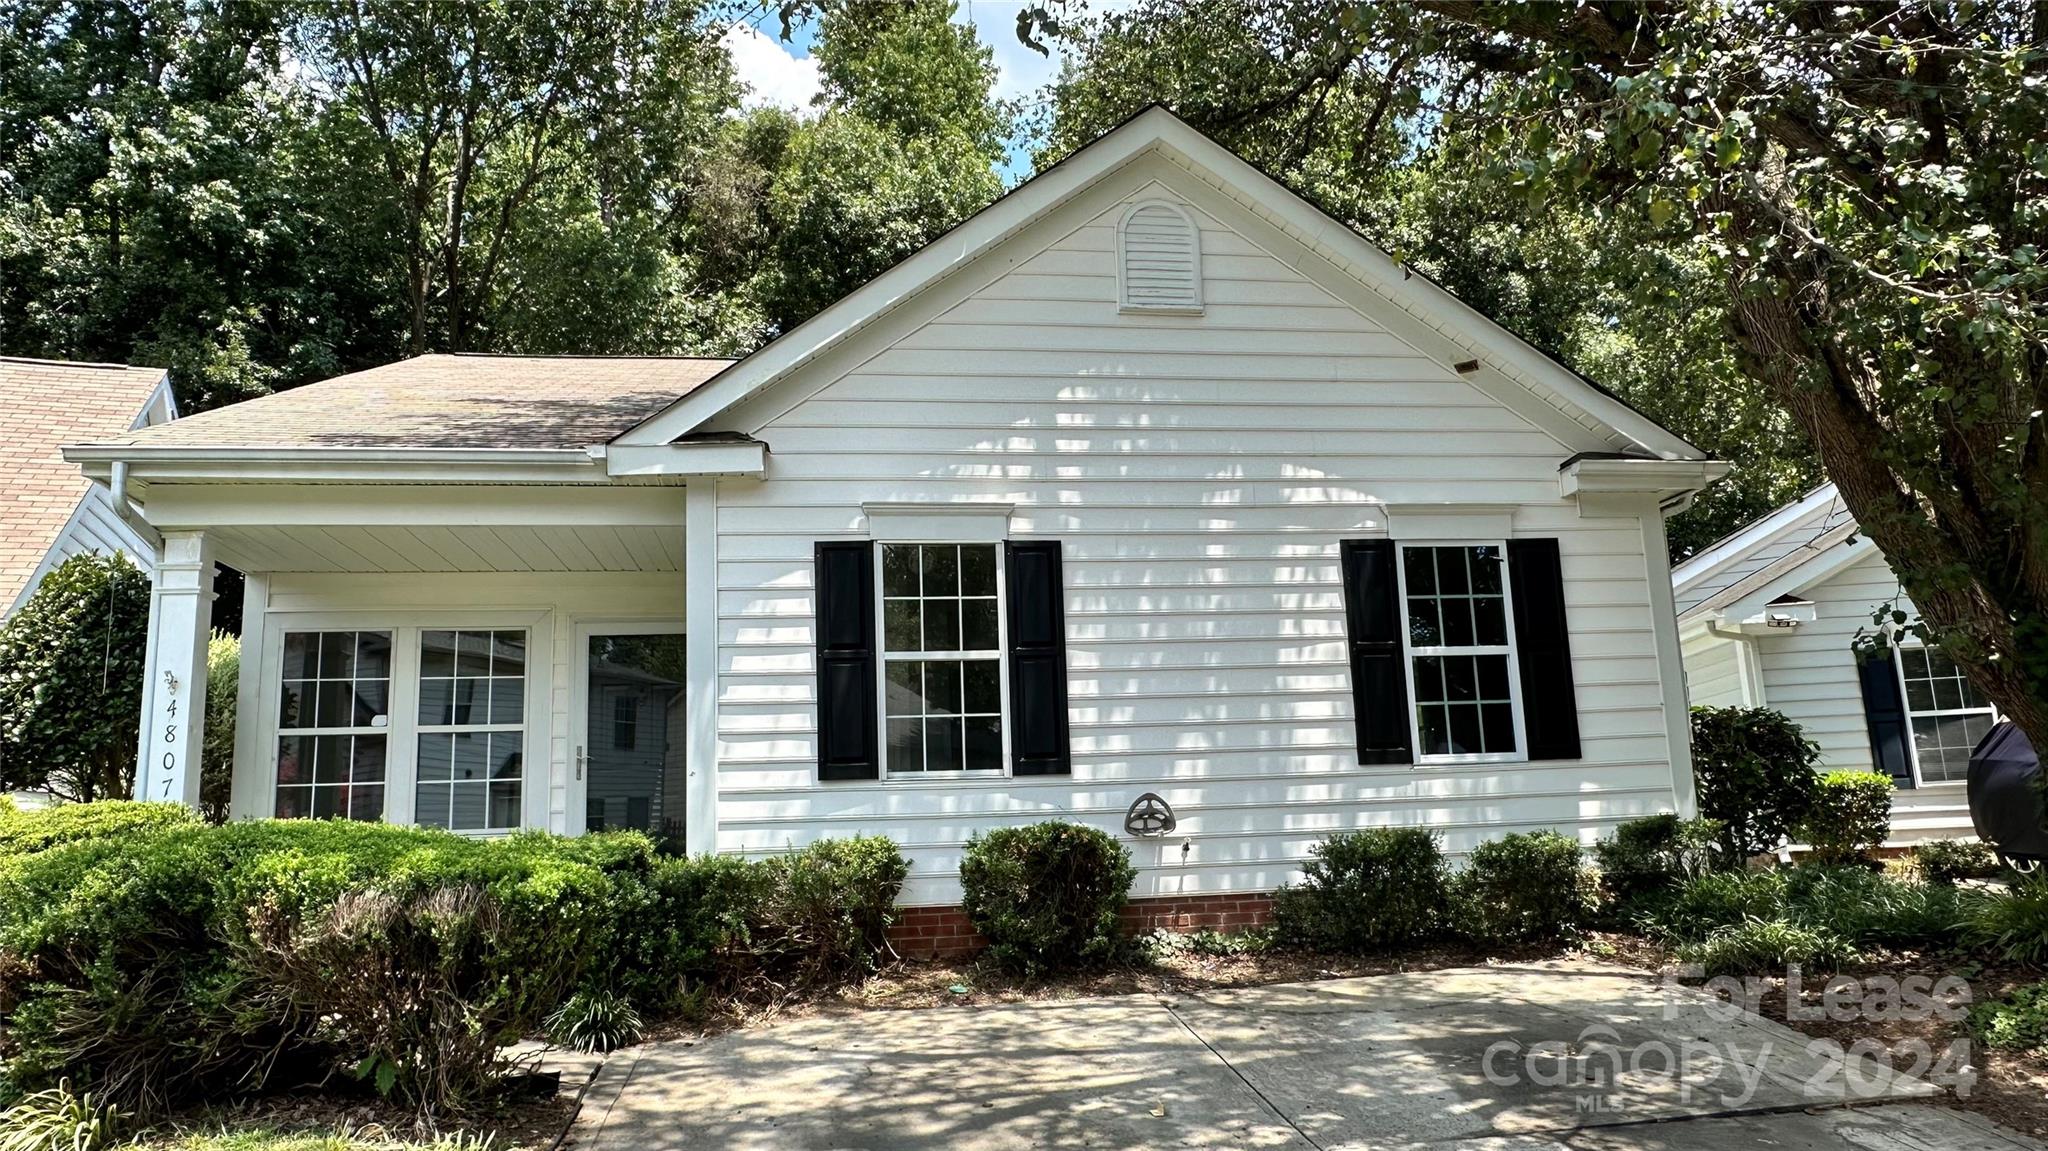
(449, 548)
(428, 528)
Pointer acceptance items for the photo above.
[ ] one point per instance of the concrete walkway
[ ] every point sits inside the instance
(1524, 1058)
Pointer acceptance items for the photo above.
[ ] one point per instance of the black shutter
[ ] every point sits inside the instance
(1884, 710)
(1379, 679)
(849, 746)
(1550, 709)
(1038, 659)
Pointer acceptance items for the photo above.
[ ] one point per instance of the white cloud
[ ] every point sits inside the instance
(774, 77)
(1020, 71)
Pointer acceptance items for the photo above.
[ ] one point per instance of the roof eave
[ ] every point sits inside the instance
(205, 463)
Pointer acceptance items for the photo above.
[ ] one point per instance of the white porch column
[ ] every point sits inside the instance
(700, 596)
(174, 673)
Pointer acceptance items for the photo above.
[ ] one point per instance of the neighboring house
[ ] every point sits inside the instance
(48, 512)
(1148, 478)
(1769, 617)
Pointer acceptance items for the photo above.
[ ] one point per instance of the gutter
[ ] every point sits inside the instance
(1748, 661)
(117, 487)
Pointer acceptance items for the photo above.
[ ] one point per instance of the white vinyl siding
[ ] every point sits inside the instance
(1199, 473)
(1713, 672)
(1809, 673)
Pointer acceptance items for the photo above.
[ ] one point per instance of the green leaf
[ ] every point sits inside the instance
(1661, 211)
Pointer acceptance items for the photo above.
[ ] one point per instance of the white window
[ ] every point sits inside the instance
(332, 725)
(472, 730)
(1461, 653)
(942, 687)
(1159, 262)
(1949, 715)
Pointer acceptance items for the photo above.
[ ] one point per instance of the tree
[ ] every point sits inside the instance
(797, 212)
(71, 681)
(1866, 183)
(1284, 85)
(477, 113)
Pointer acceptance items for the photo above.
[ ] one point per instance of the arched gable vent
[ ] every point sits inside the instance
(1159, 259)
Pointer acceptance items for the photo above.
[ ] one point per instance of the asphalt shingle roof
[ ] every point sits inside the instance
(442, 401)
(45, 404)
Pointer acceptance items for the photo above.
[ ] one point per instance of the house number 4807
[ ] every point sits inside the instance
(170, 755)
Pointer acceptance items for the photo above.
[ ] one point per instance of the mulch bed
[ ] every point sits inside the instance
(2010, 1087)
(524, 1125)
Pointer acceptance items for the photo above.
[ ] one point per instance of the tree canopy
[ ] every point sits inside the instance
(1841, 206)
(257, 195)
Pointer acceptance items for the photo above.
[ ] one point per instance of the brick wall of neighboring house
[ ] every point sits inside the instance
(944, 933)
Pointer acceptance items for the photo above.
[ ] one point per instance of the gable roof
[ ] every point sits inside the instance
(1155, 130)
(445, 401)
(45, 404)
(1778, 543)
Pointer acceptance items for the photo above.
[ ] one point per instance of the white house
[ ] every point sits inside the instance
(48, 512)
(1148, 478)
(1768, 618)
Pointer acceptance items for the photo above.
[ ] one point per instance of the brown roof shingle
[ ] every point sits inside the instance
(443, 401)
(45, 404)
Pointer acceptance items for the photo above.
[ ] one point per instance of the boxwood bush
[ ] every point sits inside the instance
(1526, 888)
(1366, 891)
(159, 960)
(1648, 856)
(1047, 896)
(1850, 815)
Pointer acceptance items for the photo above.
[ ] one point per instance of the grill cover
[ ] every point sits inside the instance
(2005, 795)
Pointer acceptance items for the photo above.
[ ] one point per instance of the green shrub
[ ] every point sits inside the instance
(2019, 1022)
(70, 675)
(1753, 772)
(1366, 891)
(1948, 860)
(1763, 946)
(217, 756)
(830, 906)
(1047, 895)
(595, 1021)
(1700, 906)
(170, 960)
(2011, 924)
(1651, 855)
(1524, 888)
(1871, 909)
(1850, 816)
(22, 832)
(55, 1119)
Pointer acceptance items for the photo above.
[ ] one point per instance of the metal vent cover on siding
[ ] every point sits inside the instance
(1159, 259)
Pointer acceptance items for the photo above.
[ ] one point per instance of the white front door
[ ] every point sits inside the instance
(628, 729)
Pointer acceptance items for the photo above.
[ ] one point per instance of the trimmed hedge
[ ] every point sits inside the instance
(28, 831)
(1366, 891)
(1046, 895)
(1526, 888)
(1850, 816)
(156, 959)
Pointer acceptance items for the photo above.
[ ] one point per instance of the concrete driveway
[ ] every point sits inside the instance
(1520, 1058)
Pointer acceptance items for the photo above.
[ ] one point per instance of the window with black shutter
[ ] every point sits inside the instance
(1460, 652)
(941, 659)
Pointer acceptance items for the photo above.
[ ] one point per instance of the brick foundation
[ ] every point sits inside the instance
(944, 933)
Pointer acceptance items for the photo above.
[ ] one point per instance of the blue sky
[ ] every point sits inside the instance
(783, 73)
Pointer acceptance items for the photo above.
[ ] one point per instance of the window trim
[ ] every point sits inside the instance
(402, 751)
(1513, 653)
(884, 773)
(1906, 707)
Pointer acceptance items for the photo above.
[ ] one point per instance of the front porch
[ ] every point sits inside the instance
(480, 658)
